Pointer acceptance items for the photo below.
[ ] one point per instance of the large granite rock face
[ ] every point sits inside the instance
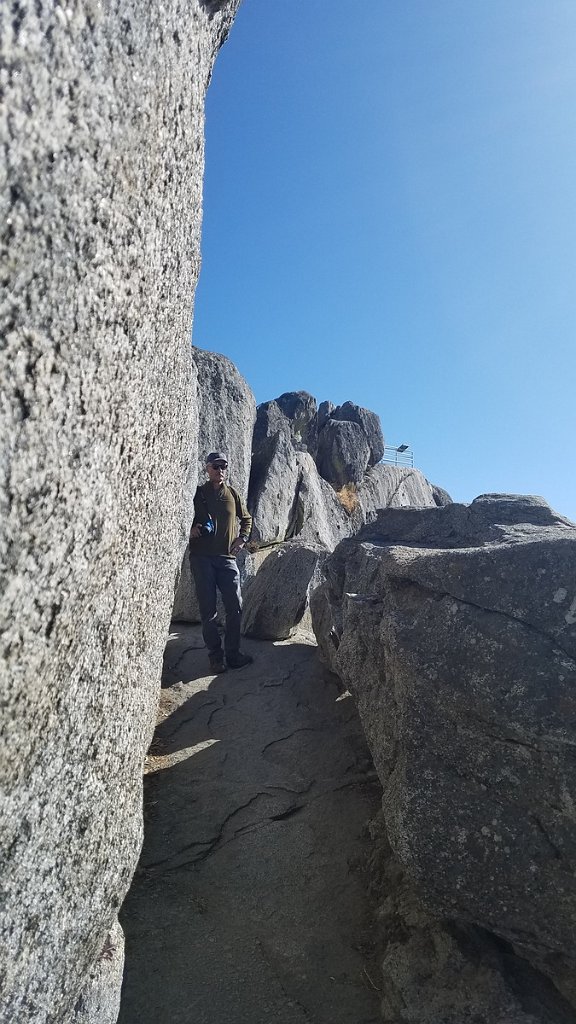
(285, 427)
(343, 453)
(271, 421)
(273, 475)
(392, 487)
(319, 517)
(103, 160)
(301, 411)
(455, 628)
(438, 971)
(289, 498)
(226, 417)
(273, 487)
(227, 414)
(276, 601)
(370, 424)
(325, 410)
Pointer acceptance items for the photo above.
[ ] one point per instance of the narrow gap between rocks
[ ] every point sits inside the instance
(250, 902)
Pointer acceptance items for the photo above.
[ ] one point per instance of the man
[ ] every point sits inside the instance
(214, 544)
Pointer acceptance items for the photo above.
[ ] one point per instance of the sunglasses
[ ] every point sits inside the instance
(220, 465)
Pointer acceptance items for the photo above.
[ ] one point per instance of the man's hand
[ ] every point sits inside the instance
(237, 546)
(195, 533)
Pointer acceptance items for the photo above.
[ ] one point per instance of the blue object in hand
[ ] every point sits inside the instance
(208, 527)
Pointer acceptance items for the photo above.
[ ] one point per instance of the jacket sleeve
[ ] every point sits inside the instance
(199, 510)
(244, 517)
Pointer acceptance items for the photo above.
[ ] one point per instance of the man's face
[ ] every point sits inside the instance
(216, 471)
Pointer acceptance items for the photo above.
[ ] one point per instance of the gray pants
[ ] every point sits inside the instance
(211, 572)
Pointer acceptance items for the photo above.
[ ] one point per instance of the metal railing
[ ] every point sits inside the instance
(402, 455)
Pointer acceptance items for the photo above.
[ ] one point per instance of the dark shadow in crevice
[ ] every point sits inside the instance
(534, 991)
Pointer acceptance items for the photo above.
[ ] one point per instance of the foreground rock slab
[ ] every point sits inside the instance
(455, 628)
(277, 599)
(103, 151)
(435, 971)
(249, 905)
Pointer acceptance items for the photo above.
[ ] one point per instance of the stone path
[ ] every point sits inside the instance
(250, 906)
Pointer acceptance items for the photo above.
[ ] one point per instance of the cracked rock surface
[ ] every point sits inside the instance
(250, 902)
(455, 629)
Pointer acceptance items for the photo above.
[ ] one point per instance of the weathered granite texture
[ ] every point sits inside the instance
(317, 514)
(343, 453)
(301, 410)
(455, 628)
(312, 477)
(273, 474)
(102, 141)
(273, 486)
(439, 972)
(250, 561)
(277, 599)
(441, 496)
(370, 424)
(325, 410)
(100, 996)
(226, 416)
(391, 487)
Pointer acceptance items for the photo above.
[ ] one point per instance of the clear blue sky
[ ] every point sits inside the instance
(390, 218)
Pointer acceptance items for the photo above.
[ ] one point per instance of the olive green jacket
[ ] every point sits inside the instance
(225, 507)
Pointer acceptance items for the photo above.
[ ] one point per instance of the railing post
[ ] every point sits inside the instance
(398, 455)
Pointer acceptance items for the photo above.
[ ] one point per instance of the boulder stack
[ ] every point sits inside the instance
(312, 476)
(316, 471)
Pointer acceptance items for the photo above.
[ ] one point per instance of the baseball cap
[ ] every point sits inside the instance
(216, 457)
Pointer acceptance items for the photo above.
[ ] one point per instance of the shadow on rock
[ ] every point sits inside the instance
(249, 902)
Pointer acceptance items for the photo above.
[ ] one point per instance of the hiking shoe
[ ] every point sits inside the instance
(217, 663)
(239, 660)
